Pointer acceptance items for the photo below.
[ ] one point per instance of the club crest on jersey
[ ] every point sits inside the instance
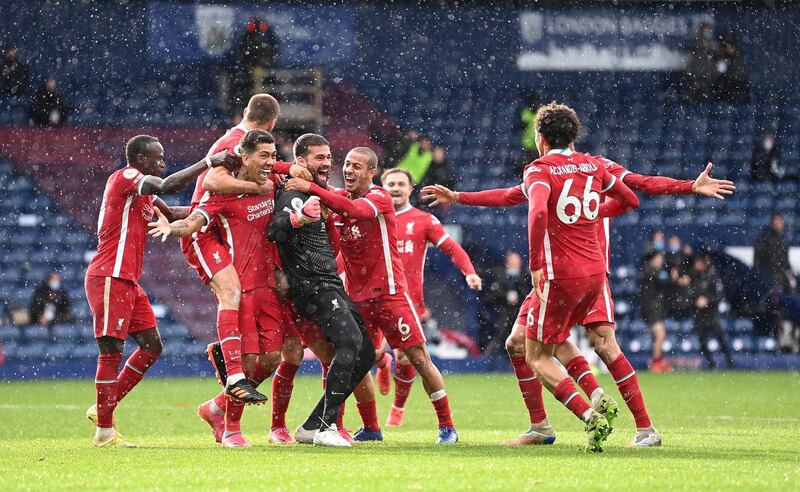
(352, 232)
(410, 228)
(130, 173)
(120, 322)
(216, 257)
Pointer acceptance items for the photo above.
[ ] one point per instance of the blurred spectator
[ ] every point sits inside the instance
(439, 172)
(678, 260)
(14, 76)
(417, 158)
(258, 54)
(771, 254)
(527, 127)
(702, 71)
(655, 283)
(656, 242)
(508, 286)
(733, 82)
(707, 292)
(766, 163)
(50, 304)
(48, 107)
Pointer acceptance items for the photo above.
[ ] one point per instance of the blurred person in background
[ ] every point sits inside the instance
(417, 158)
(656, 242)
(733, 81)
(702, 70)
(771, 257)
(707, 292)
(50, 304)
(527, 128)
(766, 164)
(14, 75)
(439, 171)
(257, 56)
(48, 107)
(654, 286)
(508, 286)
(678, 260)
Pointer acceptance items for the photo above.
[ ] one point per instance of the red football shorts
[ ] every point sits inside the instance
(524, 309)
(119, 307)
(260, 321)
(297, 325)
(394, 317)
(602, 312)
(566, 304)
(205, 254)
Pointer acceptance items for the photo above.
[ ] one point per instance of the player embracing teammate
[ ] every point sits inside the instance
(374, 271)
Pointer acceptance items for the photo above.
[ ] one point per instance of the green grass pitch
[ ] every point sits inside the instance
(722, 431)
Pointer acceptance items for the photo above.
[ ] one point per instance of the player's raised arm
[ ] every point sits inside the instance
(704, 185)
(180, 228)
(498, 197)
(359, 209)
(153, 185)
(221, 181)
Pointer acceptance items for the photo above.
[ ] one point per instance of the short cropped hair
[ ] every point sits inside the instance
(138, 145)
(252, 139)
(558, 124)
(263, 108)
(372, 157)
(396, 170)
(305, 141)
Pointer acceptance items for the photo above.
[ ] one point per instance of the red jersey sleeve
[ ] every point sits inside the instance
(128, 182)
(652, 185)
(376, 201)
(434, 232)
(214, 206)
(622, 198)
(282, 167)
(499, 197)
(537, 185)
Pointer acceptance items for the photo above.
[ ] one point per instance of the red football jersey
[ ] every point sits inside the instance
(573, 183)
(372, 262)
(416, 229)
(122, 227)
(242, 222)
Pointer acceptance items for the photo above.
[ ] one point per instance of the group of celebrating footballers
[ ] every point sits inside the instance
(295, 263)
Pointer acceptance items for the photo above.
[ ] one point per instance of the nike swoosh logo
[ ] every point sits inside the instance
(405, 338)
(335, 393)
(590, 312)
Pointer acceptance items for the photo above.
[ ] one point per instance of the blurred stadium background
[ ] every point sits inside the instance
(460, 73)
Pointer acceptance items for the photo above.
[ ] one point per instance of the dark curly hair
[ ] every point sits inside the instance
(558, 124)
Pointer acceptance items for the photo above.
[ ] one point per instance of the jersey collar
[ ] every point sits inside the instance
(403, 210)
(564, 151)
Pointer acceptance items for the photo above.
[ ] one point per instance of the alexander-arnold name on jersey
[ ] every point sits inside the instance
(260, 209)
(585, 167)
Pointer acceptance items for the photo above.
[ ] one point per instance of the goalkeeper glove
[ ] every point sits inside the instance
(309, 212)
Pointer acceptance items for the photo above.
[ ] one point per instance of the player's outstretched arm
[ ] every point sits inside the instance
(498, 197)
(153, 185)
(220, 180)
(360, 209)
(704, 185)
(180, 228)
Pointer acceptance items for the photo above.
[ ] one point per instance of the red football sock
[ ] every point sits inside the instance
(221, 401)
(385, 362)
(441, 404)
(531, 389)
(404, 375)
(579, 370)
(133, 371)
(105, 386)
(233, 415)
(369, 415)
(325, 367)
(282, 385)
(230, 340)
(257, 375)
(568, 394)
(340, 419)
(627, 382)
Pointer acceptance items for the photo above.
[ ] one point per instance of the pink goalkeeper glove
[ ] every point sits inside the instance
(309, 212)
